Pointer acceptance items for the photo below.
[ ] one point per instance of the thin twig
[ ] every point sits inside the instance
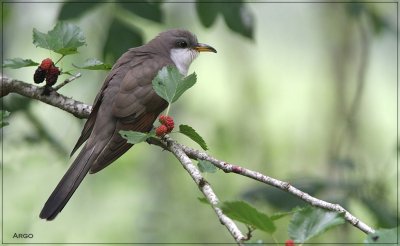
(285, 186)
(78, 75)
(59, 59)
(204, 187)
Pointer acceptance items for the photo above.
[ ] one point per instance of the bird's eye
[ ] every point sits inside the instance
(181, 44)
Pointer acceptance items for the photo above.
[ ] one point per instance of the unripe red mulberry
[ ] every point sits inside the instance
(168, 121)
(161, 130)
(289, 242)
(46, 64)
(162, 118)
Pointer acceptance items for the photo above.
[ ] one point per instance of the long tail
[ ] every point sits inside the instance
(68, 184)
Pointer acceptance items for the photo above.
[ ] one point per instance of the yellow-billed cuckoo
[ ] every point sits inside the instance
(126, 101)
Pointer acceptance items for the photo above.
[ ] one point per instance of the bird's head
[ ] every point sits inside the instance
(182, 47)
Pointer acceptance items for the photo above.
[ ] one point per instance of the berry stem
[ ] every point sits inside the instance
(167, 111)
(59, 59)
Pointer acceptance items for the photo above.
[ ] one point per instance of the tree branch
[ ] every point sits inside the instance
(184, 154)
(204, 187)
(78, 109)
(285, 186)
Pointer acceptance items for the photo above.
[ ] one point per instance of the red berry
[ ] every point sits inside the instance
(289, 242)
(39, 75)
(161, 130)
(168, 121)
(46, 64)
(52, 75)
(162, 118)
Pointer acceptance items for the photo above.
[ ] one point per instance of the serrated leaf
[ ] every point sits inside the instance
(245, 213)
(166, 81)
(64, 38)
(192, 134)
(185, 84)
(383, 237)
(170, 84)
(310, 222)
(134, 137)
(94, 64)
(3, 115)
(206, 166)
(18, 63)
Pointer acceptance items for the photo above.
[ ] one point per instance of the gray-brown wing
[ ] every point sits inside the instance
(116, 74)
(135, 107)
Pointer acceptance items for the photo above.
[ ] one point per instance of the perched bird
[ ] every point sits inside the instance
(126, 101)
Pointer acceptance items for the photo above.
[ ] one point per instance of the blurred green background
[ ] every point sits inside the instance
(303, 92)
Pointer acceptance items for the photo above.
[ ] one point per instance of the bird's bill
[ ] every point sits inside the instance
(204, 48)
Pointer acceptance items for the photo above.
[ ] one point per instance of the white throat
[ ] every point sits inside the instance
(183, 58)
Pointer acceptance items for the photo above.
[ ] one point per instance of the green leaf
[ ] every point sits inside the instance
(192, 134)
(245, 213)
(64, 39)
(150, 11)
(207, 13)
(277, 216)
(134, 137)
(120, 38)
(206, 166)
(70, 10)
(170, 84)
(3, 115)
(239, 18)
(19, 62)
(166, 82)
(383, 237)
(310, 222)
(94, 64)
(184, 85)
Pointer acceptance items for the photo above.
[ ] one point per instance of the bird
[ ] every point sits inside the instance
(126, 101)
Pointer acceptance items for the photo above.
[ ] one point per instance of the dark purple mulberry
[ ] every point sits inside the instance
(52, 76)
(39, 75)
